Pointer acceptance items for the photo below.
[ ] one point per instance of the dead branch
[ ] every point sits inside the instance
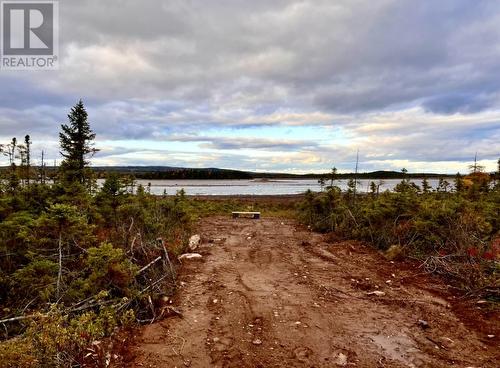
(157, 259)
(15, 319)
(167, 258)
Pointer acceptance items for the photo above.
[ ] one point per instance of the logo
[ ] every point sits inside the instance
(29, 35)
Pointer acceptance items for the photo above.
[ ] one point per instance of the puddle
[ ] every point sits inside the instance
(400, 348)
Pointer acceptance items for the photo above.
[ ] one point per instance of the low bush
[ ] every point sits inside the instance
(451, 233)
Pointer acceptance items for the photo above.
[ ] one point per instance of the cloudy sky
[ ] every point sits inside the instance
(295, 86)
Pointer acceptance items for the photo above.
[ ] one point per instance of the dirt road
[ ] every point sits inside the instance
(271, 294)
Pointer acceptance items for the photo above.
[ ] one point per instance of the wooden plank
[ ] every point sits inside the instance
(254, 215)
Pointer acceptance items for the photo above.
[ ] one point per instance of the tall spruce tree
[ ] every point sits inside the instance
(76, 140)
(25, 156)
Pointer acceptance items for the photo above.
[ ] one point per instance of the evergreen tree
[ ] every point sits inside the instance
(321, 182)
(459, 183)
(351, 187)
(27, 150)
(373, 189)
(443, 185)
(333, 176)
(426, 188)
(111, 195)
(497, 176)
(76, 140)
(12, 152)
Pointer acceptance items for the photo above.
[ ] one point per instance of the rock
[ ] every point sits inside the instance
(447, 342)
(482, 302)
(302, 354)
(341, 360)
(491, 336)
(423, 324)
(190, 256)
(376, 293)
(194, 242)
(257, 342)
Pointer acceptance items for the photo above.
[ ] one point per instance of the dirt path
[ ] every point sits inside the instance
(270, 294)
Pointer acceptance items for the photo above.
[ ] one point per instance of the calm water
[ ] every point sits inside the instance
(257, 187)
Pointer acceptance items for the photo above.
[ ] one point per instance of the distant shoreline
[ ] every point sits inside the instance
(176, 173)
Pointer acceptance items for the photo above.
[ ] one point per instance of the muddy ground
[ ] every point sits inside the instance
(269, 293)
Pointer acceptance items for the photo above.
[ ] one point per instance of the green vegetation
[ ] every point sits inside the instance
(452, 231)
(77, 261)
(283, 207)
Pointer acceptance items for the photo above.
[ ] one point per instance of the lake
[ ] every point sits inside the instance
(258, 186)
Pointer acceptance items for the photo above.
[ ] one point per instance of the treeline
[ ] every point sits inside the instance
(38, 173)
(167, 173)
(76, 260)
(454, 230)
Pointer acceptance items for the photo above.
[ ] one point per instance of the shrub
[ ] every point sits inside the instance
(456, 230)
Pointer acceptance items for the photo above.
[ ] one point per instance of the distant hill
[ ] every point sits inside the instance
(168, 172)
(176, 173)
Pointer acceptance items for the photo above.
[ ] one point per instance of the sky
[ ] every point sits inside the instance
(288, 86)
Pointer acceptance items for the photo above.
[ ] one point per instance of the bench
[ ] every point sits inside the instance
(253, 215)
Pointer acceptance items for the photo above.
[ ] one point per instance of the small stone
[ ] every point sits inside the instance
(482, 302)
(341, 360)
(190, 256)
(491, 336)
(423, 324)
(257, 342)
(376, 293)
(194, 241)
